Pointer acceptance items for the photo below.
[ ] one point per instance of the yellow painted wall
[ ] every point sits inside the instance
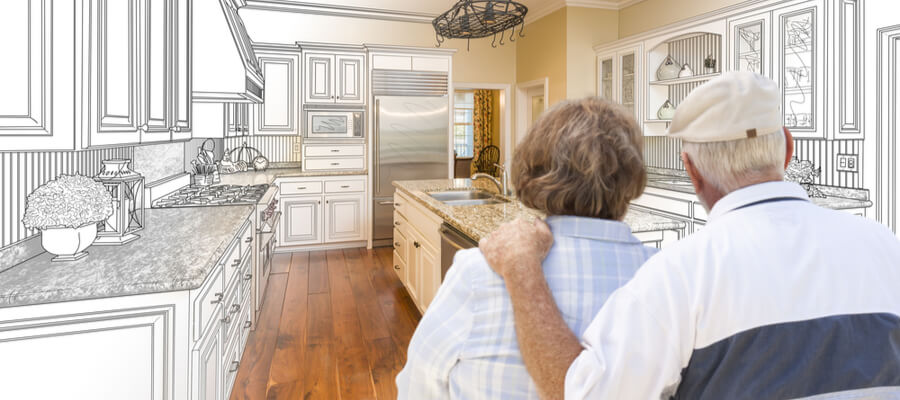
(585, 28)
(651, 14)
(495, 120)
(542, 53)
(482, 64)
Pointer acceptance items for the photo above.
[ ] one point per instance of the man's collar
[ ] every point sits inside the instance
(757, 193)
(591, 228)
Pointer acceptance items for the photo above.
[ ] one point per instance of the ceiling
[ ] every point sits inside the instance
(537, 8)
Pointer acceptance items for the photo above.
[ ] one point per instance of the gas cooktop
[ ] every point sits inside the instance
(215, 195)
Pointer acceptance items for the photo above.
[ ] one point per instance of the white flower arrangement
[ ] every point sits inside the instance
(70, 201)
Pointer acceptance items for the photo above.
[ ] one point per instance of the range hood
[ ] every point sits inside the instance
(225, 67)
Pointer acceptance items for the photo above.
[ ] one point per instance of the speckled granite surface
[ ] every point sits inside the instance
(176, 251)
(838, 198)
(269, 175)
(479, 221)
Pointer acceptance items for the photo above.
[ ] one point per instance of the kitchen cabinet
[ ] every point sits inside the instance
(279, 113)
(417, 257)
(323, 211)
(751, 43)
(237, 119)
(333, 77)
(619, 77)
(208, 359)
(182, 104)
(798, 67)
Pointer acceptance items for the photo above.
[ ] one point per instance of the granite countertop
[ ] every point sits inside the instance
(287, 170)
(176, 251)
(478, 221)
(837, 198)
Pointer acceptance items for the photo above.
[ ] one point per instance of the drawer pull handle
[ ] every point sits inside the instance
(301, 187)
(248, 277)
(417, 244)
(335, 164)
(235, 308)
(396, 223)
(247, 324)
(227, 319)
(335, 151)
(396, 245)
(236, 263)
(397, 267)
(234, 366)
(218, 299)
(248, 240)
(345, 186)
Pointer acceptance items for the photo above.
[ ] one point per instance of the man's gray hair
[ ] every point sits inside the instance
(733, 164)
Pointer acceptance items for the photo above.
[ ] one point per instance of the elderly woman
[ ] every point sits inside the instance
(581, 164)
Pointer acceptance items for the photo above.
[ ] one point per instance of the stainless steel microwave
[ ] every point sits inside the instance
(332, 124)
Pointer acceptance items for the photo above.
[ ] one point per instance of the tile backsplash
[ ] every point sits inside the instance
(662, 152)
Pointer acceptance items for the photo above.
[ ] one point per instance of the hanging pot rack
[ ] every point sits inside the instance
(476, 19)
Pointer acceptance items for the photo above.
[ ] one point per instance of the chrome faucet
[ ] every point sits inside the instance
(502, 187)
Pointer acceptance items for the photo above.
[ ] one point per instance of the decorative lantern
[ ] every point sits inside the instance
(127, 190)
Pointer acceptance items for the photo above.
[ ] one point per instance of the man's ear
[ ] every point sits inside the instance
(788, 146)
(693, 173)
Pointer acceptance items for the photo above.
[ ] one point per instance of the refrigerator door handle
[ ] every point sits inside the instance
(377, 160)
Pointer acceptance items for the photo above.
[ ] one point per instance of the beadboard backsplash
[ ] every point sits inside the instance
(275, 148)
(662, 152)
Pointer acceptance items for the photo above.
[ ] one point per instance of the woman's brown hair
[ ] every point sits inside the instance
(583, 158)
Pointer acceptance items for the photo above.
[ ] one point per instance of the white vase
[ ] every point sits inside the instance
(68, 244)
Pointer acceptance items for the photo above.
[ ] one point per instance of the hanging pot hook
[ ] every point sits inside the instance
(512, 35)
(501, 39)
(522, 29)
(494, 41)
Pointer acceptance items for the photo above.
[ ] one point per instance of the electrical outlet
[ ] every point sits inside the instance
(847, 162)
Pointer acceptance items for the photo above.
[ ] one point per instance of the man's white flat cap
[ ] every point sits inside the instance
(736, 105)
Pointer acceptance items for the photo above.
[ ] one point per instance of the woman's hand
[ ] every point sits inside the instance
(517, 248)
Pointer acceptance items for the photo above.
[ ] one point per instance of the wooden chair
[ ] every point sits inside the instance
(486, 161)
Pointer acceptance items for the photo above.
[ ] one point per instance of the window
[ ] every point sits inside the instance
(463, 123)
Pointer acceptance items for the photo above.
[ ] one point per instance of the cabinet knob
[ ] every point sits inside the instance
(397, 267)
(248, 240)
(144, 127)
(234, 366)
(417, 244)
(396, 245)
(176, 129)
(235, 308)
(236, 263)
(218, 299)
(247, 324)
(248, 277)
(227, 319)
(396, 223)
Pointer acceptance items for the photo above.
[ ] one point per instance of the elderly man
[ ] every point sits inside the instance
(775, 298)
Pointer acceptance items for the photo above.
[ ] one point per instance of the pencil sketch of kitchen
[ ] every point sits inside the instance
(156, 156)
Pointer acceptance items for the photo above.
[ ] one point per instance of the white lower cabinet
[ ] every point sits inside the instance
(180, 345)
(323, 211)
(417, 256)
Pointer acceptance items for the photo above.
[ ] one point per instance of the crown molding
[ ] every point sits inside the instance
(339, 11)
(551, 6)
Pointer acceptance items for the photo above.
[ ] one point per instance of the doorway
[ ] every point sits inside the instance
(888, 142)
(533, 99)
(489, 105)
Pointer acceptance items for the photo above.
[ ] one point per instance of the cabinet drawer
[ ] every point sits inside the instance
(669, 205)
(400, 268)
(233, 261)
(230, 364)
(334, 151)
(308, 187)
(425, 222)
(232, 310)
(245, 278)
(207, 305)
(325, 164)
(357, 185)
(246, 239)
(400, 244)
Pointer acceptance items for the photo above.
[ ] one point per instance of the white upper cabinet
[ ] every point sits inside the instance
(36, 76)
(750, 44)
(799, 67)
(157, 98)
(334, 78)
(279, 113)
(183, 64)
(619, 77)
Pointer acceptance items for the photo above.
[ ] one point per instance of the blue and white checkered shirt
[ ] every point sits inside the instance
(465, 345)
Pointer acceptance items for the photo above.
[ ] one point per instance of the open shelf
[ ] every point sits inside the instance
(689, 79)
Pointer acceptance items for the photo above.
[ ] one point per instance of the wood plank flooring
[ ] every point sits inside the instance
(334, 325)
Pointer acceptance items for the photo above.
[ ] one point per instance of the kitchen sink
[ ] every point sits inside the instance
(467, 197)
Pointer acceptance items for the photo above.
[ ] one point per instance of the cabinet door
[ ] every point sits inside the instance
(319, 78)
(413, 265)
(278, 112)
(628, 88)
(750, 44)
(847, 99)
(37, 68)
(350, 83)
(156, 76)
(116, 46)
(430, 272)
(182, 69)
(208, 383)
(302, 222)
(799, 69)
(606, 81)
(344, 218)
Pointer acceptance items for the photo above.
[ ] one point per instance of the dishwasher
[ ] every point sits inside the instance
(452, 240)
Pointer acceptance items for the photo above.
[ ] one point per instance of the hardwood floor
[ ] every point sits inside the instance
(334, 325)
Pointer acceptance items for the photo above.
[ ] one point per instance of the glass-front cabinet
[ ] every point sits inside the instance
(619, 72)
(751, 41)
(798, 67)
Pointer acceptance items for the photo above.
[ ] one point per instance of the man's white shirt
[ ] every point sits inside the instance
(774, 298)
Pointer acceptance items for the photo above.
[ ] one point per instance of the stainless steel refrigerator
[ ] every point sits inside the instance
(412, 141)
